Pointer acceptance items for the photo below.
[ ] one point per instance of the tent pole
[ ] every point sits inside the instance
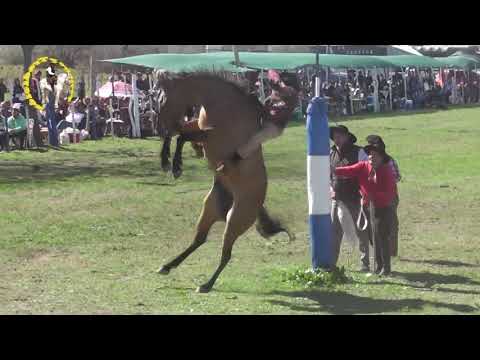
(111, 103)
(150, 83)
(375, 90)
(454, 87)
(350, 95)
(136, 115)
(262, 88)
(478, 83)
(390, 89)
(90, 81)
(317, 78)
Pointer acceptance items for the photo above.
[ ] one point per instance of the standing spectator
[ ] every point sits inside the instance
(378, 141)
(369, 80)
(81, 88)
(17, 126)
(3, 90)
(18, 95)
(50, 111)
(377, 186)
(92, 111)
(345, 192)
(35, 87)
(142, 84)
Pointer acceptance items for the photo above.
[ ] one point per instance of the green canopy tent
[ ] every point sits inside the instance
(459, 61)
(220, 61)
(291, 61)
(411, 61)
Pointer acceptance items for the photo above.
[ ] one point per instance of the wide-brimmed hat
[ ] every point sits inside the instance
(344, 130)
(375, 147)
(16, 106)
(376, 140)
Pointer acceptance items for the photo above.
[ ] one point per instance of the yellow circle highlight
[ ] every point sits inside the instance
(28, 75)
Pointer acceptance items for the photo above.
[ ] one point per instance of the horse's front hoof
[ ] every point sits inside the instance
(203, 289)
(163, 271)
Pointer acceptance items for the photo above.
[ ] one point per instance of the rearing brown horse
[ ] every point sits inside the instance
(237, 196)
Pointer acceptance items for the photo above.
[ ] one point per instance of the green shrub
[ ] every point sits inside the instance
(312, 278)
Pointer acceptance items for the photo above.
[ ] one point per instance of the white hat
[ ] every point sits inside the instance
(17, 106)
(50, 71)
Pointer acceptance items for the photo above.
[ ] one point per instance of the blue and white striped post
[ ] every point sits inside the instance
(318, 174)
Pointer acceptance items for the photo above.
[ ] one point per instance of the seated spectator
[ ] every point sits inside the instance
(17, 126)
(5, 109)
(3, 133)
(35, 87)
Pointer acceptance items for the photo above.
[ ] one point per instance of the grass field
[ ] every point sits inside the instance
(83, 230)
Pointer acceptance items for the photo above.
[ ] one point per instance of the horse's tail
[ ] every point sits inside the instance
(268, 226)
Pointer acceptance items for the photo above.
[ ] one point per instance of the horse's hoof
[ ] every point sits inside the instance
(163, 271)
(203, 289)
(177, 173)
(166, 167)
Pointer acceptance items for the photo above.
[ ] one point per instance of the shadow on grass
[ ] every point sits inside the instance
(24, 172)
(425, 288)
(430, 279)
(342, 303)
(448, 263)
(155, 184)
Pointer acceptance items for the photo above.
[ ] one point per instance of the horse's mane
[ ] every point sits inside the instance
(219, 76)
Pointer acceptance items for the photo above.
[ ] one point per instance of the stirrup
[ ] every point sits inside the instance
(221, 165)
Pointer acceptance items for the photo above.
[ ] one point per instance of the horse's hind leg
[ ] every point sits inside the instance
(177, 159)
(239, 220)
(210, 214)
(165, 155)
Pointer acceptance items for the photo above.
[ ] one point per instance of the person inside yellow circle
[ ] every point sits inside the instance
(49, 99)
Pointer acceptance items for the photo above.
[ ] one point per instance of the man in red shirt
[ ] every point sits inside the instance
(377, 185)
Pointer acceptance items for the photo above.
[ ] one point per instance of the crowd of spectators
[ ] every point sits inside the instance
(353, 92)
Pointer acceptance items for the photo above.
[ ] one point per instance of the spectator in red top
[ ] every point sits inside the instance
(377, 185)
(372, 139)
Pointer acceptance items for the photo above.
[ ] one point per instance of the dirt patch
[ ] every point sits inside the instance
(40, 257)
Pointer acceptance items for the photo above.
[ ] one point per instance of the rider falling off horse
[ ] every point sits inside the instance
(279, 108)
